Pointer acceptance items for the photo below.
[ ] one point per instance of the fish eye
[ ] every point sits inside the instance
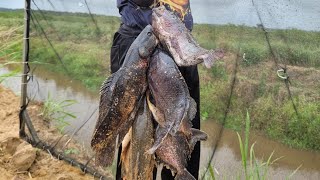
(149, 33)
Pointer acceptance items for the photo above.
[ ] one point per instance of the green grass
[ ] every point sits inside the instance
(55, 111)
(252, 168)
(85, 49)
(294, 47)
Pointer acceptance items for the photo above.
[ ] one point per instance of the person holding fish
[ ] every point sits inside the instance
(135, 16)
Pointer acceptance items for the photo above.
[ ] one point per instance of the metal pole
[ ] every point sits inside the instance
(24, 80)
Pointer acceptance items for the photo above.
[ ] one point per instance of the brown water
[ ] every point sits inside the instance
(227, 160)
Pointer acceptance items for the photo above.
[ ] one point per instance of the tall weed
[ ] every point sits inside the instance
(55, 111)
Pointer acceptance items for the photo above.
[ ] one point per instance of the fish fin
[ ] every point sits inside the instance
(125, 157)
(159, 169)
(208, 59)
(161, 134)
(192, 109)
(197, 135)
(106, 94)
(106, 83)
(186, 123)
(158, 116)
(126, 141)
(211, 56)
(184, 175)
(101, 139)
(185, 128)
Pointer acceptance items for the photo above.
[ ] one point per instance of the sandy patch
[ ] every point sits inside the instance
(18, 160)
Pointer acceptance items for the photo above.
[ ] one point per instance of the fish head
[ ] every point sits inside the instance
(147, 42)
(165, 22)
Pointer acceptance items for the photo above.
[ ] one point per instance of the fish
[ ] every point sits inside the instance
(178, 40)
(176, 150)
(173, 107)
(120, 97)
(136, 163)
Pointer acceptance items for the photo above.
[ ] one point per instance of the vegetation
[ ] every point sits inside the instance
(252, 167)
(293, 47)
(80, 49)
(55, 112)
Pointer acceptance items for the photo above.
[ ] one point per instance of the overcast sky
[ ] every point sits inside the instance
(275, 13)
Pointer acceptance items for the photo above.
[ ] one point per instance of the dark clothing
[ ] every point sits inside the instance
(139, 17)
(121, 44)
(133, 15)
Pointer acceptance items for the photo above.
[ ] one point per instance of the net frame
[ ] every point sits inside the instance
(25, 122)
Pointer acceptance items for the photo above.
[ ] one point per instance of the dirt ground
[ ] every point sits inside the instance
(18, 159)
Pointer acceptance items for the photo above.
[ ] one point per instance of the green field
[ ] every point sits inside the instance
(84, 49)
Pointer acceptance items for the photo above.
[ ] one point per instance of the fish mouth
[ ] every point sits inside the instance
(157, 11)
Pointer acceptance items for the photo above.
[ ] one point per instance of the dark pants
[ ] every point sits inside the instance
(120, 46)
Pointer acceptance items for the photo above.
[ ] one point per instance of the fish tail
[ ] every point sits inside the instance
(197, 135)
(162, 133)
(212, 56)
(157, 144)
(184, 175)
(208, 59)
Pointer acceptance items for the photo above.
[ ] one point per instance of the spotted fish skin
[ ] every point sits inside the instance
(120, 97)
(136, 163)
(176, 150)
(177, 39)
(173, 103)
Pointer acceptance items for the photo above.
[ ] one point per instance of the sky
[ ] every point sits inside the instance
(12, 4)
(281, 14)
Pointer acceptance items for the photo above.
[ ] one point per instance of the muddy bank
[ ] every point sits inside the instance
(18, 160)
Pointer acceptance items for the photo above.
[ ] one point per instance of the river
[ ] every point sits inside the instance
(227, 160)
(278, 14)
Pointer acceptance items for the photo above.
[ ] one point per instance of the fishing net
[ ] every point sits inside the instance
(270, 71)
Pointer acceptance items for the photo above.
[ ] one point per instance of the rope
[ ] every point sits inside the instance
(225, 113)
(92, 18)
(285, 76)
(51, 45)
(44, 18)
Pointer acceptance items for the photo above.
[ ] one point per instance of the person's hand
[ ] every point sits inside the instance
(180, 2)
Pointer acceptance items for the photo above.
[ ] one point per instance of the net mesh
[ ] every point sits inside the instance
(270, 69)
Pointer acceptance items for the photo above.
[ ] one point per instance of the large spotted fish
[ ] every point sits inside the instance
(136, 163)
(173, 107)
(121, 96)
(175, 150)
(177, 39)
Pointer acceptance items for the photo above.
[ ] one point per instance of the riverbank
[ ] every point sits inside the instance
(84, 50)
(15, 154)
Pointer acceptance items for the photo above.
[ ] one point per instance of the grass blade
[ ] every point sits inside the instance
(290, 176)
(256, 166)
(267, 165)
(211, 173)
(251, 158)
(242, 151)
(247, 132)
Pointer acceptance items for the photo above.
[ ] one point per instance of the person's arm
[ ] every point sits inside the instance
(181, 2)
